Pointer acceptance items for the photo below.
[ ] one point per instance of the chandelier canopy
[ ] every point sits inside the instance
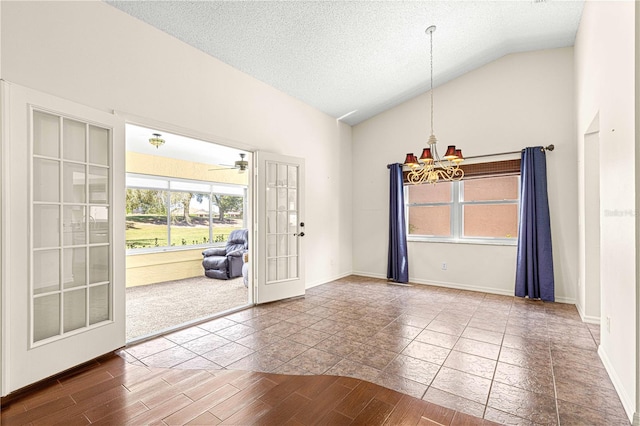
(430, 167)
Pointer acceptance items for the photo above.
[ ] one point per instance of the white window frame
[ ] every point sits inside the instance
(456, 221)
(168, 180)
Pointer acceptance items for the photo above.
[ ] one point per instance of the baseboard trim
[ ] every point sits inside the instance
(369, 275)
(567, 300)
(443, 284)
(589, 319)
(460, 286)
(312, 284)
(469, 287)
(636, 419)
(626, 400)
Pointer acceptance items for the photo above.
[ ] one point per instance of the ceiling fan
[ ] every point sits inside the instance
(240, 164)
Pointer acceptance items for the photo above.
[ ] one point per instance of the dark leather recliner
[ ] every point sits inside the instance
(226, 262)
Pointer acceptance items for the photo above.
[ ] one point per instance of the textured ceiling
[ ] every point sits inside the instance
(363, 56)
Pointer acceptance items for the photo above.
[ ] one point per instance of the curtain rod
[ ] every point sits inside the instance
(547, 148)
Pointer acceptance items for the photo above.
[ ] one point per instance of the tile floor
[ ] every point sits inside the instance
(506, 359)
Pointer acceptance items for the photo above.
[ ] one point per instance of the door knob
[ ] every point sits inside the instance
(301, 234)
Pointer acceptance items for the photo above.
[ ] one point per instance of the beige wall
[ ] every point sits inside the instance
(519, 100)
(605, 53)
(154, 268)
(163, 166)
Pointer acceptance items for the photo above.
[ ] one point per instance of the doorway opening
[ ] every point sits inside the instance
(591, 226)
(184, 196)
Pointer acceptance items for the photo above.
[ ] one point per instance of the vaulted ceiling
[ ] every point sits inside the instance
(362, 56)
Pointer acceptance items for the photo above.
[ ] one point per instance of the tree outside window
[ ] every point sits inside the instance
(179, 218)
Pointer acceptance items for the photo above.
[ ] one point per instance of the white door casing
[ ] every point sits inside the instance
(279, 227)
(63, 277)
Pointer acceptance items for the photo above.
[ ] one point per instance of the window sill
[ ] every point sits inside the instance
(482, 242)
(152, 250)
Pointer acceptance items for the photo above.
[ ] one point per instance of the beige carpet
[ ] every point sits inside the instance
(156, 307)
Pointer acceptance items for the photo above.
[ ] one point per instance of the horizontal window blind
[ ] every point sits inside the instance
(488, 169)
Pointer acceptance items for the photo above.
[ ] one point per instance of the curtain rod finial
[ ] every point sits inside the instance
(550, 147)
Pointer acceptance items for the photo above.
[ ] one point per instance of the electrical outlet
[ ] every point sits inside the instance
(444, 266)
(608, 324)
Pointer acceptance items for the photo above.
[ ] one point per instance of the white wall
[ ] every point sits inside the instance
(520, 100)
(94, 54)
(605, 86)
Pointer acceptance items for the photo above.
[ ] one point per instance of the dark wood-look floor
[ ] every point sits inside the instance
(112, 391)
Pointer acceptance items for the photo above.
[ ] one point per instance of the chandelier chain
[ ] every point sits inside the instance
(431, 88)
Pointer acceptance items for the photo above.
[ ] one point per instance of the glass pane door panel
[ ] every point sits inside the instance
(293, 245)
(282, 175)
(46, 271)
(75, 309)
(70, 225)
(282, 223)
(98, 145)
(46, 317)
(281, 242)
(293, 222)
(46, 180)
(283, 248)
(271, 222)
(282, 198)
(98, 304)
(46, 225)
(271, 246)
(293, 199)
(271, 175)
(271, 199)
(98, 224)
(283, 269)
(74, 140)
(98, 264)
(74, 183)
(278, 203)
(98, 185)
(46, 134)
(75, 267)
(73, 225)
(271, 270)
(293, 177)
(293, 267)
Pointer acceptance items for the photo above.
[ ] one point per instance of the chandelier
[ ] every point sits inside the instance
(156, 140)
(430, 167)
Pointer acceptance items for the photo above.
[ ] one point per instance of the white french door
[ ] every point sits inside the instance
(280, 227)
(63, 225)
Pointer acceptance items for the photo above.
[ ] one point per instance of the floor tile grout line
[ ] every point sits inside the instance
(328, 298)
(495, 369)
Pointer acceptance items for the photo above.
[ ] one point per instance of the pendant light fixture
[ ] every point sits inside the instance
(156, 140)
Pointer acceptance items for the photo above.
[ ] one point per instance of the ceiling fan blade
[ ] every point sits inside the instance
(222, 168)
(241, 165)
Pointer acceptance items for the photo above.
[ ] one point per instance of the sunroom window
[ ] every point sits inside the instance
(166, 213)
